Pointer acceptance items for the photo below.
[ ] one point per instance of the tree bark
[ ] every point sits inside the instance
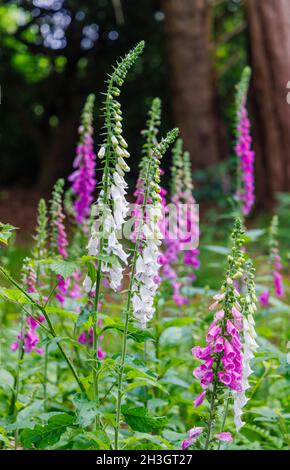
(194, 97)
(269, 34)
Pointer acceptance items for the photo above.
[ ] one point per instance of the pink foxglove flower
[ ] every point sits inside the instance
(193, 434)
(264, 298)
(230, 338)
(249, 344)
(29, 337)
(224, 437)
(246, 182)
(182, 232)
(83, 178)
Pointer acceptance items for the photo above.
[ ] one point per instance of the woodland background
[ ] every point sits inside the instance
(55, 52)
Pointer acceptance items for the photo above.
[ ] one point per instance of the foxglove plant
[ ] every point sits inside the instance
(226, 362)
(183, 232)
(248, 304)
(144, 278)
(58, 237)
(31, 280)
(150, 134)
(83, 178)
(245, 174)
(111, 205)
(275, 264)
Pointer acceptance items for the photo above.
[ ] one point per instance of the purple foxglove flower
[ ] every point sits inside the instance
(264, 298)
(224, 437)
(199, 399)
(186, 444)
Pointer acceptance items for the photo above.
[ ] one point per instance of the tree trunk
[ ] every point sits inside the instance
(188, 27)
(269, 33)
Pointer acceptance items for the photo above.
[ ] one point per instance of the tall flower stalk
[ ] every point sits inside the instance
(275, 263)
(183, 226)
(111, 205)
(150, 135)
(230, 341)
(83, 178)
(145, 262)
(245, 194)
(58, 238)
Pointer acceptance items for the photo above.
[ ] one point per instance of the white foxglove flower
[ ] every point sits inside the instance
(249, 348)
(147, 269)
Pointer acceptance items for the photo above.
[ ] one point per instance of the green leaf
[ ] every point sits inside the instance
(254, 234)
(43, 436)
(86, 410)
(222, 250)
(139, 420)
(62, 312)
(6, 232)
(6, 380)
(64, 268)
(15, 295)
(83, 317)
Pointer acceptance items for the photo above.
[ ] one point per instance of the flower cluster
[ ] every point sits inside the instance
(29, 277)
(87, 338)
(59, 240)
(148, 259)
(40, 238)
(248, 303)
(83, 178)
(182, 231)
(275, 263)
(150, 134)
(29, 338)
(231, 336)
(223, 350)
(112, 206)
(246, 179)
(194, 433)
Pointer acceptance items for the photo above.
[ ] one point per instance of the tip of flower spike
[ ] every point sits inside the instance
(139, 46)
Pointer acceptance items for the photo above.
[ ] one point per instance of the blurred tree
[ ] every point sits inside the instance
(269, 41)
(194, 94)
(53, 54)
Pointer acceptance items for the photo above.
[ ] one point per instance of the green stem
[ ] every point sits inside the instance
(95, 362)
(224, 419)
(50, 326)
(127, 310)
(17, 379)
(45, 377)
(211, 418)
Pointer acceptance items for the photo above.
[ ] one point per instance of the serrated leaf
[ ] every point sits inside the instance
(139, 420)
(64, 268)
(86, 410)
(42, 436)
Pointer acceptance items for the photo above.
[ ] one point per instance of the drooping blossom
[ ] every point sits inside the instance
(29, 337)
(83, 178)
(246, 156)
(112, 208)
(264, 298)
(224, 437)
(58, 237)
(250, 346)
(181, 236)
(29, 276)
(87, 338)
(193, 434)
(230, 340)
(146, 269)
